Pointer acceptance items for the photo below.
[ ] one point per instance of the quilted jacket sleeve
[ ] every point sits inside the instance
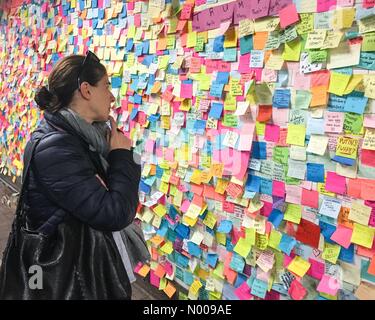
(65, 169)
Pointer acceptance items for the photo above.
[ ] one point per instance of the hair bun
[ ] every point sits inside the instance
(44, 98)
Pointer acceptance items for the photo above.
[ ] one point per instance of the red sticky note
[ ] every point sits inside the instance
(368, 157)
(335, 183)
(272, 133)
(342, 236)
(308, 233)
(354, 188)
(310, 198)
(296, 290)
(264, 113)
(317, 269)
(288, 15)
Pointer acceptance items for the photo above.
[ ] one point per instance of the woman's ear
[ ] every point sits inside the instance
(85, 90)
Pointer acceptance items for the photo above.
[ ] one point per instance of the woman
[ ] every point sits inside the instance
(84, 171)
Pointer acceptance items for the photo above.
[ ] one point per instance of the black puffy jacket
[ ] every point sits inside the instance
(64, 163)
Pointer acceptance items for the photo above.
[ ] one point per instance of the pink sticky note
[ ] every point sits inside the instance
(186, 90)
(317, 269)
(278, 188)
(185, 205)
(325, 5)
(272, 133)
(138, 267)
(288, 15)
(310, 198)
(149, 146)
(243, 292)
(240, 163)
(333, 122)
(369, 121)
(266, 209)
(328, 285)
(154, 279)
(293, 194)
(335, 183)
(244, 64)
(169, 154)
(342, 236)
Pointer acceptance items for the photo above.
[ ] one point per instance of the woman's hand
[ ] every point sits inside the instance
(118, 140)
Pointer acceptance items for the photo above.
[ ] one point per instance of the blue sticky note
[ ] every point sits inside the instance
(240, 279)
(315, 126)
(199, 126)
(172, 212)
(211, 259)
(259, 150)
(147, 60)
(216, 110)
(315, 172)
(216, 89)
(181, 260)
(246, 44)
(327, 230)
(116, 82)
(230, 54)
(153, 117)
(237, 263)
(194, 249)
(222, 77)
(367, 60)
(252, 183)
(275, 217)
(344, 160)
(336, 103)
(287, 244)
(129, 44)
(266, 186)
(225, 226)
(134, 113)
(355, 104)
(259, 288)
(281, 98)
(218, 44)
(144, 187)
(163, 228)
(347, 255)
(182, 231)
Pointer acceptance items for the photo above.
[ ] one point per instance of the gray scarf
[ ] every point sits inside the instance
(133, 247)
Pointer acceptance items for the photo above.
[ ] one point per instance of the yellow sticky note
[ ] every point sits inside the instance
(369, 140)
(354, 82)
(196, 177)
(230, 39)
(260, 128)
(191, 39)
(315, 39)
(296, 134)
(221, 238)
(347, 147)
(331, 252)
(275, 62)
(299, 266)
(338, 83)
(167, 247)
(274, 239)
(160, 210)
(210, 220)
(243, 247)
(221, 186)
(293, 213)
(363, 235)
(193, 211)
(250, 235)
(343, 18)
(235, 88)
(359, 213)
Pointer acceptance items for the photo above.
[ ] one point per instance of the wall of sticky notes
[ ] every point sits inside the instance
(255, 120)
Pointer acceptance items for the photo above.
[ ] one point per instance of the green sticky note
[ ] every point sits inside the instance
(368, 43)
(303, 99)
(280, 155)
(293, 213)
(353, 123)
(317, 56)
(230, 120)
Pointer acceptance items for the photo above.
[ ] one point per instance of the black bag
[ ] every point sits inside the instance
(76, 262)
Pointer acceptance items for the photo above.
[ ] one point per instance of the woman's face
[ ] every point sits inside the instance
(101, 100)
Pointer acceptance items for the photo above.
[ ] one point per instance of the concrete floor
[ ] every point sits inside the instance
(142, 290)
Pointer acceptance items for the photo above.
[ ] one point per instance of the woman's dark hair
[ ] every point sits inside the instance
(63, 81)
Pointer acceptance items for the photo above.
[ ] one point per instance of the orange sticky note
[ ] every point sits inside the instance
(259, 40)
(319, 96)
(169, 290)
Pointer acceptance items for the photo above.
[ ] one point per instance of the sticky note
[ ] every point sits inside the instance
(299, 266)
(296, 134)
(288, 15)
(330, 207)
(342, 236)
(331, 252)
(338, 83)
(359, 213)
